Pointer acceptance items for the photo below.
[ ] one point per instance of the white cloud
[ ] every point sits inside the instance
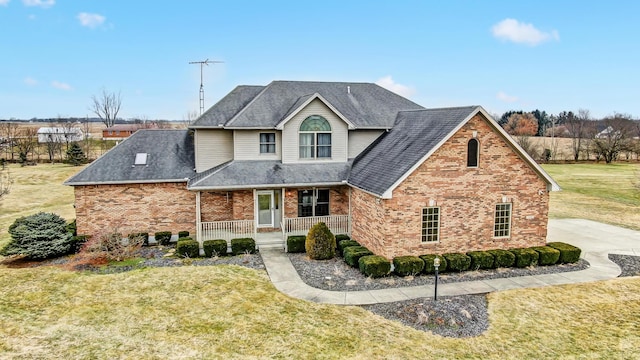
(521, 33)
(91, 20)
(4, 2)
(30, 81)
(41, 3)
(502, 96)
(402, 90)
(61, 85)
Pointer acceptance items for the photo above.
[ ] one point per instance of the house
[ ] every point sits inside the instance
(271, 161)
(59, 134)
(119, 132)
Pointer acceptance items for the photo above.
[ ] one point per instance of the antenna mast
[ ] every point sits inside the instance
(202, 63)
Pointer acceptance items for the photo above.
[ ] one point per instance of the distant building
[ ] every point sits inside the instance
(59, 135)
(119, 132)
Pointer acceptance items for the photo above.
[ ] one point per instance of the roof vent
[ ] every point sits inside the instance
(141, 159)
(348, 89)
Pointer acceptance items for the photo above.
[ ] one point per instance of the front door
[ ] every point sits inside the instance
(265, 208)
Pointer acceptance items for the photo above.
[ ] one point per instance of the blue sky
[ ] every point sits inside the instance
(503, 55)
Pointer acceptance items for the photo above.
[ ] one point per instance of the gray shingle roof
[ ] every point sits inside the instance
(170, 158)
(269, 173)
(365, 105)
(414, 135)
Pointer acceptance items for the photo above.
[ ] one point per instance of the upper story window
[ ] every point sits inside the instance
(267, 143)
(472, 153)
(315, 138)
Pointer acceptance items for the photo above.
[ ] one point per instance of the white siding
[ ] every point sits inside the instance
(339, 137)
(213, 147)
(360, 139)
(246, 145)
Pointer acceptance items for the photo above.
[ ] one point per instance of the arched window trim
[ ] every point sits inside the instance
(473, 161)
(314, 136)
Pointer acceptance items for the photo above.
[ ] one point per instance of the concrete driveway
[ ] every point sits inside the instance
(594, 237)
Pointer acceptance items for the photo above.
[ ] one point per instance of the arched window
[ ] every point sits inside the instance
(472, 153)
(315, 138)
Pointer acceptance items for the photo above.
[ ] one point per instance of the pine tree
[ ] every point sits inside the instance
(75, 155)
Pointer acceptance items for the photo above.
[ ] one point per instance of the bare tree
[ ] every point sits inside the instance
(106, 106)
(614, 138)
(5, 180)
(86, 129)
(575, 124)
(8, 133)
(191, 116)
(26, 142)
(52, 142)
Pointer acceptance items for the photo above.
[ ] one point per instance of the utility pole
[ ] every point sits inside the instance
(202, 63)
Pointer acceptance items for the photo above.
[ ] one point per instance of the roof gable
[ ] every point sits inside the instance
(308, 100)
(225, 109)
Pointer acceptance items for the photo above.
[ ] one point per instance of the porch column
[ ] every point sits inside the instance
(198, 217)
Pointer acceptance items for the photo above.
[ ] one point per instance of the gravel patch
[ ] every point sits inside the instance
(335, 274)
(629, 264)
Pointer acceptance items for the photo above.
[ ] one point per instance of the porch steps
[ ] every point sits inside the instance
(264, 241)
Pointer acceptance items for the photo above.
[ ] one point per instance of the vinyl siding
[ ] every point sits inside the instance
(213, 147)
(247, 145)
(339, 137)
(360, 139)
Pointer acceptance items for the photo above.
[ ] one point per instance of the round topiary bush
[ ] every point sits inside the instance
(321, 243)
(39, 236)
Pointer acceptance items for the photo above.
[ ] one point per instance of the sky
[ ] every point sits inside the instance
(503, 55)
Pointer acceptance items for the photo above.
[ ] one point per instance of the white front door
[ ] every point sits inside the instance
(265, 206)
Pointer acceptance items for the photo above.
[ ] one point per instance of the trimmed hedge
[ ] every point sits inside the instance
(217, 247)
(144, 235)
(407, 265)
(457, 262)
(187, 247)
(243, 245)
(295, 244)
(374, 265)
(525, 257)
(352, 254)
(341, 237)
(481, 260)
(345, 244)
(568, 253)
(547, 255)
(182, 234)
(502, 258)
(321, 243)
(163, 237)
(428, 263)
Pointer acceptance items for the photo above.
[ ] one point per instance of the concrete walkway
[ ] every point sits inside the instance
(595, 239)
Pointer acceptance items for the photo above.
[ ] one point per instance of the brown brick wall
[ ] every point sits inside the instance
(243, 205)
(216, 206)
(466, 196)
(135, 207)
(338, 201)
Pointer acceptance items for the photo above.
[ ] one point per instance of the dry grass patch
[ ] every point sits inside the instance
(233, 312)
(600, 192)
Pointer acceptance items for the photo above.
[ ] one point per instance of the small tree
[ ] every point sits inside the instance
(75, 155)
(522, 126)
(38, 236)
(5, 179)
(106, 106)
(321, 243)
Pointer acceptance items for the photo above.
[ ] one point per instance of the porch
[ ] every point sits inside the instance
(231, 229)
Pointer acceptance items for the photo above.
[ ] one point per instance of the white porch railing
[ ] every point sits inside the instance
(338, 224)
(227, 230)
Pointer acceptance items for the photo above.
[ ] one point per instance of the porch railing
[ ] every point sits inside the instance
(338, 224)
(227, 230)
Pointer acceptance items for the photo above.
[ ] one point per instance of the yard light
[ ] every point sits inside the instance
(436, 265)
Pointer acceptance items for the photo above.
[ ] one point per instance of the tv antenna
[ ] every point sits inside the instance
(202, 63)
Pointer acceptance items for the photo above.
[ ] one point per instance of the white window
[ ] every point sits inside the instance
(315, 138)
(267, 143)
(502, 225)
(431, 224)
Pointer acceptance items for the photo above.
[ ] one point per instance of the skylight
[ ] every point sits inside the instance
(141, 159)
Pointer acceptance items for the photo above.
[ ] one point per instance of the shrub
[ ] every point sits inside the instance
(38, 236)
(568, 253)
(374, 266)
(481, 260)
(296, 244)
(72, 228)
(525, 257)
(428, 263)
(217, 247)
(77, 242)
(243, 245)
(547, 255)
(110, 244)
(407, 265)
(163, 237)
(143, 235)
(187, 247)
(352, 254)
(182, 234)
(502, 258)
(320, 244)
(457, 262)
(341, 237)
(345, 244)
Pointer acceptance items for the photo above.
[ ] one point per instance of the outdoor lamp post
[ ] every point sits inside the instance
(436, 265)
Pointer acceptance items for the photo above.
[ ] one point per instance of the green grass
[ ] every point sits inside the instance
(599, 192)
